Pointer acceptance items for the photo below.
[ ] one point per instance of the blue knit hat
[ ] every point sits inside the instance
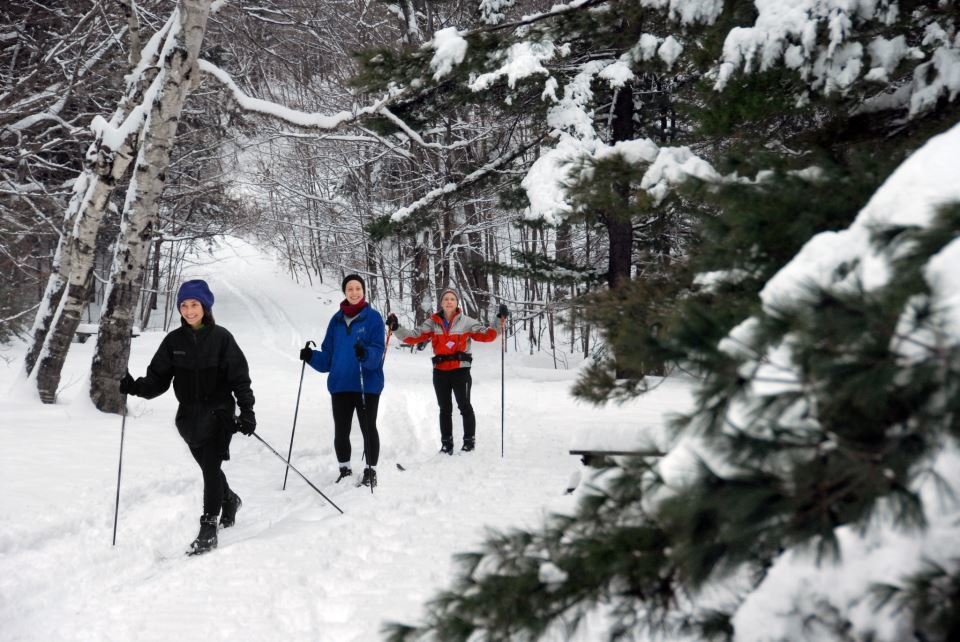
(196, 289)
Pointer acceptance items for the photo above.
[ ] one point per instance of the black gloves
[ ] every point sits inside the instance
(360, 351)
(127, 385)
(392, 322)
(247, 422)
(306, 354)
(502, 312)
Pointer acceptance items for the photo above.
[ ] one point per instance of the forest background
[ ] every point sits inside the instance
(626, 176)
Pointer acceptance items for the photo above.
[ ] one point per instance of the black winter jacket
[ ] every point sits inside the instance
(206, 366)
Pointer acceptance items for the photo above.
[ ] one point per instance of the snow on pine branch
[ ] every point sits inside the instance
(820, 39)
(911, 196)
(787, 32)
(667, 169)
(286, 114)
(851, 261)
(449, 50)
(522, 59)
(492, 11)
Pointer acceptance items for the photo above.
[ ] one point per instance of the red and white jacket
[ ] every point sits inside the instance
(451, 342)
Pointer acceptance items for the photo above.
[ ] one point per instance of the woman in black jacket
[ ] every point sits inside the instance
(208, 370)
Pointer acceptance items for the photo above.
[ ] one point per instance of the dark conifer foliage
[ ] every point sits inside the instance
(850, 427)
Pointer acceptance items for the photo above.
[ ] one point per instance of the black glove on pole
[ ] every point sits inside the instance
(392, 324)
(246, 422)
(123, 430)
(296, 410)
(127, 385)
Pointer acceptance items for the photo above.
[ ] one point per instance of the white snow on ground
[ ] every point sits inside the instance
(292, 568)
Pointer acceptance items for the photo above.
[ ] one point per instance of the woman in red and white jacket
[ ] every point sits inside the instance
(450, 333)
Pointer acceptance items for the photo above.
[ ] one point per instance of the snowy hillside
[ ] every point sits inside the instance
(292, 568)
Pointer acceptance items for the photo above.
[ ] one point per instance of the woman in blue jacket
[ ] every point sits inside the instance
(352, 352)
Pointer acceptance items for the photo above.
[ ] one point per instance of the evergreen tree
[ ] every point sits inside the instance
(825, 413)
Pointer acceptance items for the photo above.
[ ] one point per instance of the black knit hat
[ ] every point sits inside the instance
(353, 277)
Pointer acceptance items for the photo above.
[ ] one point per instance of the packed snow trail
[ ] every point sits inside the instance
(292, 568)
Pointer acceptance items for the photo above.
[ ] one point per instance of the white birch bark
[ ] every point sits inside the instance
(178, 76)
(68, 287)
(133, 24)
(410, 17)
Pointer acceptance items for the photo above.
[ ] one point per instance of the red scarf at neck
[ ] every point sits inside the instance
(352, 310)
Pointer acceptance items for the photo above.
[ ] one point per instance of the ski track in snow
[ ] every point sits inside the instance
(292, 568)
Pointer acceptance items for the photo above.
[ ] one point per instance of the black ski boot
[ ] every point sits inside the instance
(369, 478)
(206, 538)
(344, 472)
(446, 448)
(468, 445)
(228, 509)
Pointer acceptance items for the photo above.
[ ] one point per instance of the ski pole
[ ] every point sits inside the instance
(294, 469)
(385, 346)
(296, 410)
(116, 507)
(503, 350)
(363, 409)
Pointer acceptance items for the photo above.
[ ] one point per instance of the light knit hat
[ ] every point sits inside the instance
(444, 291)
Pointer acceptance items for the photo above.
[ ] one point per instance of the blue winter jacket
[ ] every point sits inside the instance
(336, 354)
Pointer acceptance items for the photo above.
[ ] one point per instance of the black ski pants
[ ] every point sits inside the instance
(459, 383)
(209, 456)
(344, 404)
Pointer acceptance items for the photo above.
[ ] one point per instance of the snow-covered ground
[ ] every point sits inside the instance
(292, 568)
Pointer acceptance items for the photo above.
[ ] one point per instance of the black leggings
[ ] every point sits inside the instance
(344, 404)
(459, 383)
(215, 489)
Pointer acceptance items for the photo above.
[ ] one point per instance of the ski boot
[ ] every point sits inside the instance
(369, 478)
(206, 538)
(446, 448)
(468, 445)
(344, 472)
(228, 509)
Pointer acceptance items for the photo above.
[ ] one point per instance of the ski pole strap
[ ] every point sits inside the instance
(456, 356)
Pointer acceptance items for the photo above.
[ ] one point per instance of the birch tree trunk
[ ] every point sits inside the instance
(68, 288)
(179, 73)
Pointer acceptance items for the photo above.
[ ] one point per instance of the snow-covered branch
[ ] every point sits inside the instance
(471, 178)
(416, 137)
(286, 114)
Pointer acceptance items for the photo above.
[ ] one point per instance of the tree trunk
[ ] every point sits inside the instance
(105, 166)
(618, 223)
(421, 279)
(91, 192)
(475, 268)
(151, 303)
(141, 212)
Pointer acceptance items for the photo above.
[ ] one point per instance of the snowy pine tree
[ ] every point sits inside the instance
(826, 414)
